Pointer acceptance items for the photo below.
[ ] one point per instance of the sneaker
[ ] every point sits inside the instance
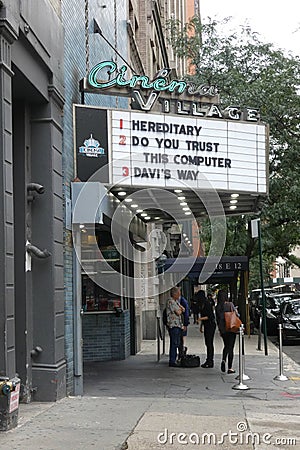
(174, 365)
(223, 366)
(230, 371)
(207, 365)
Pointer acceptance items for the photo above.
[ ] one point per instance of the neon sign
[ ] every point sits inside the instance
(201, 101)
(158, 84)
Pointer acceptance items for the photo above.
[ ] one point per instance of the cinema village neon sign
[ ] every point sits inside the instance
(115, 79)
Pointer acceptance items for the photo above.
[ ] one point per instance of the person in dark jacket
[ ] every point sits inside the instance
(207, 319)
(195, 307)
(224, 305)
(186, 322)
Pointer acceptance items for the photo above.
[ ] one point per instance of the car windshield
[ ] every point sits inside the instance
(293, 308)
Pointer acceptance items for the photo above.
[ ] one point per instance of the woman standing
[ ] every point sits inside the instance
(224, 305)
(208, 322)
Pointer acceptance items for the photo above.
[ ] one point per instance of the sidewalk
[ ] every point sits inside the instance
(129, 404)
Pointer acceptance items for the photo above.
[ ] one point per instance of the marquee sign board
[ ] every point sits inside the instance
(170, 151)
(160, 150)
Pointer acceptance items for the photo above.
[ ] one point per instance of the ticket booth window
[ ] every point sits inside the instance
(94, 297)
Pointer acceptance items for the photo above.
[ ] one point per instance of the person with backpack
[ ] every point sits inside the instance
(175, 324)
(195, 306)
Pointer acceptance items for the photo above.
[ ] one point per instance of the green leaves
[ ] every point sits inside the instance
(253, 73)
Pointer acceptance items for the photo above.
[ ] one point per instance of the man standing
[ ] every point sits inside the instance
(175, 324)
(186, 321)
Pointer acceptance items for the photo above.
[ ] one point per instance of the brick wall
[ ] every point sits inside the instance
(106, 337)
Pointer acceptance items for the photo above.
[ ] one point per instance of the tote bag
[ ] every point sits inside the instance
(232, 321)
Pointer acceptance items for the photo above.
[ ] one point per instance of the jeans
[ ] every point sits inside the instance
(209, 333)
(175, 338)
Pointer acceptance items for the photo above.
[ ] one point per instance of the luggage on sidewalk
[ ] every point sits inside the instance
(190, 361)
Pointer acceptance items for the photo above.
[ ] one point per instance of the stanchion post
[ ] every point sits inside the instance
(259, 334)
(241, 386)
(281, 376)
(244, 376)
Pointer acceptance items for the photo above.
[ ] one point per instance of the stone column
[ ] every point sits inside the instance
(49, 366)
(7, 309)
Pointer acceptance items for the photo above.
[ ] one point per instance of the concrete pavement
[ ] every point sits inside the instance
(138, 403)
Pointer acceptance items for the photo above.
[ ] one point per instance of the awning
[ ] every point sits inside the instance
(225, 270)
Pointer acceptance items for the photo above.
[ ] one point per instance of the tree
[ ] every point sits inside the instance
(252, 73)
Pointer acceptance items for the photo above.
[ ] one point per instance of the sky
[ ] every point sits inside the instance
(276, 22)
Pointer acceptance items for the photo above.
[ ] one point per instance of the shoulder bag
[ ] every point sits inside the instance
(232, 321)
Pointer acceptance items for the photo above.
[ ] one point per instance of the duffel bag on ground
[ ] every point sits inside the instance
(190, 361)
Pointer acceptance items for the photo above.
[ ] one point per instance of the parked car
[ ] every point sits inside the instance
(290, 318)
(254, 302)
(273, 304)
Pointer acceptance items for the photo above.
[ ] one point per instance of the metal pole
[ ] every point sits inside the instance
(158, 338)
(78, 357)
(281, 376)
(259, 334)
(262, 289)
(164, 340)
(240, 386)
(244, 376)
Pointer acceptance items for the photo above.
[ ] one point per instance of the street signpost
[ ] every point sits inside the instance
(256, 233)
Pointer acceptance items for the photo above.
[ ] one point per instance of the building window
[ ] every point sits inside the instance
(94, 297)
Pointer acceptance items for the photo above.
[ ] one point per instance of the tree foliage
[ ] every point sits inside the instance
(252, 73)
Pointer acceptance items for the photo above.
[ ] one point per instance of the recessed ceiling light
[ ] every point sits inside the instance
(186, 238)
(183, 203)
(139, 210)
(188, 213)
(128, 200)
(233, 201)
(178, 191)
(186, 209)
(235, 195)
(181, 198)
(144, 215)
(232, 207)
(184, 235)
(156, 218)
(147, 217)
(121, 194)
(134, 206)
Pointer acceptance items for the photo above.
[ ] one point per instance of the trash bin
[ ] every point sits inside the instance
(9, 402)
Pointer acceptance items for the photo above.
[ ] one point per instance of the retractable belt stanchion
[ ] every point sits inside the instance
(241, 386)
(281, 376)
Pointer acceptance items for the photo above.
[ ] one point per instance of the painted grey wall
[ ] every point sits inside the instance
(31, 303)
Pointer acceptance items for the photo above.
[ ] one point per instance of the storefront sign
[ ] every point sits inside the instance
(107, 78)
(115, 76)
(91, 139)
(157, 150)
